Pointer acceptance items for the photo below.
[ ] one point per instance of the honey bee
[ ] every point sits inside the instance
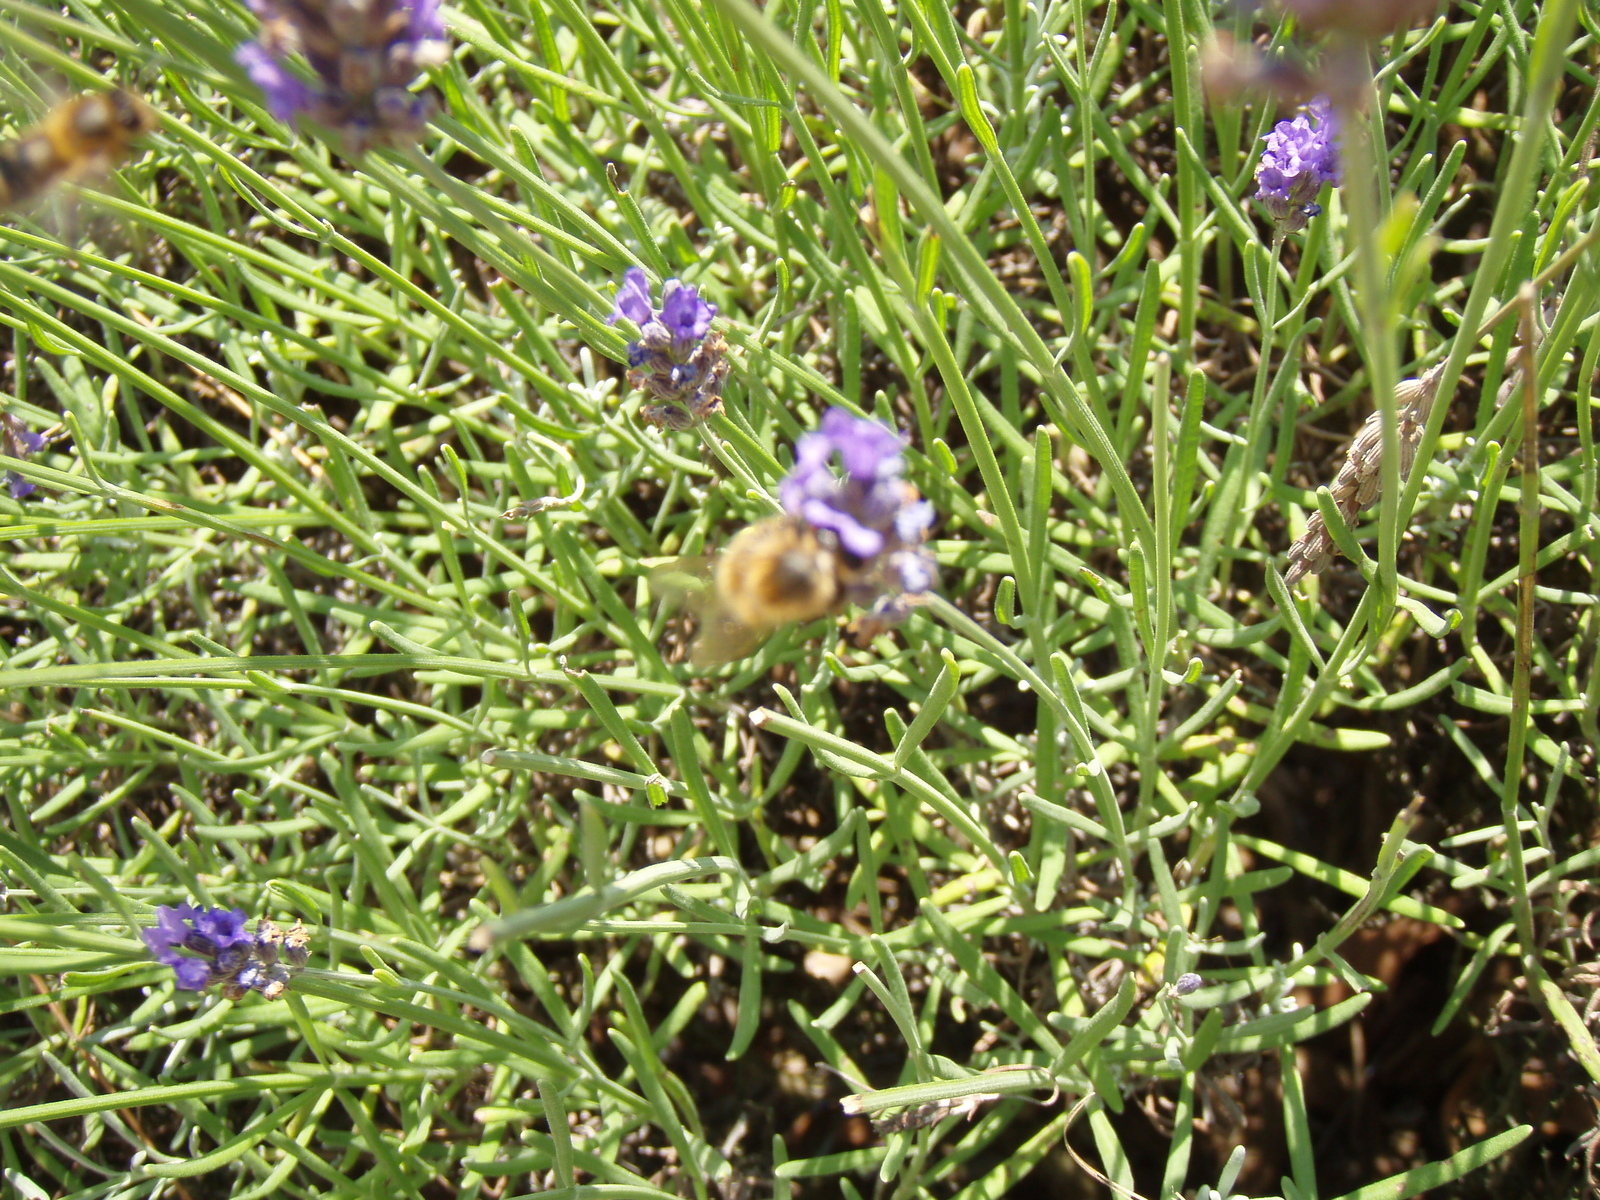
(80, 137)
(775, 572)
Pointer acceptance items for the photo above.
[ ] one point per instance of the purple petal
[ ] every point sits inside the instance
(869, 449)
(427, 24)
(223, 927)
(157, 942)
(194, 974)
(285, 94)
(683, 312)
(633, 298)
(18, 486)
(855, 537)
(170, 930)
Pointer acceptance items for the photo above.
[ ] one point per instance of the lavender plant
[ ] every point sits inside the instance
(1117, 860)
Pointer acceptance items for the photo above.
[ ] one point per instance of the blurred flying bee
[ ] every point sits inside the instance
(81, 137)
(775, 572)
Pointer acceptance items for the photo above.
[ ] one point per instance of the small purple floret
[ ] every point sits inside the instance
(633, 298)
(683, 312)
(193, 974)
(1300, 156)
(286, 96)
(223, 927)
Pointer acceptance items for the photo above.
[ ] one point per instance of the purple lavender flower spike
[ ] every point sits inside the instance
(365, 54)
(17, 440)
(1300, 156)
(679, 360)
(868, 511)
(221, 950)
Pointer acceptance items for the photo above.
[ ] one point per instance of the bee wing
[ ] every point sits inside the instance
(683, 581)
(722, 637)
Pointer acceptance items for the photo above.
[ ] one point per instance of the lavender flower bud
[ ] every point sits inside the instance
(297, 946)
(1300, 156)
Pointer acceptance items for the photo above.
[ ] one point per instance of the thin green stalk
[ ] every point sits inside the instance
(1512, 204)
(1363, 161)
(1521, 682)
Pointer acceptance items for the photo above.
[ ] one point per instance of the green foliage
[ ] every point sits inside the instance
(336, 597)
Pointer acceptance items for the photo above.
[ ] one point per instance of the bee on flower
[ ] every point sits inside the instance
(852, 532)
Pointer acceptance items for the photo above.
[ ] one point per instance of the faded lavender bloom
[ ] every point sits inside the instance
(1300, 157)
(18, 441)
(1229, 69)
(365, 53)
(1187, 983)
(1370, 19)
(220, 950)
(1357, 484)
(297, 946)
(878, 520)
(678, 360)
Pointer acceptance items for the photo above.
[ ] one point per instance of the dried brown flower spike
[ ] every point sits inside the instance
(1356, 486)
(1371, 19)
